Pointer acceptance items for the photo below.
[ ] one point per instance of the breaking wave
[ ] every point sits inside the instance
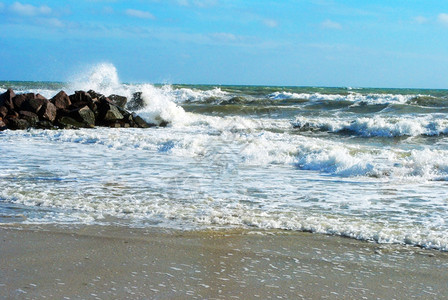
(377, 126)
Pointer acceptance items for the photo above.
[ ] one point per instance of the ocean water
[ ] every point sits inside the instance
(369, 164)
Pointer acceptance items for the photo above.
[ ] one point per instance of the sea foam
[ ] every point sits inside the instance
(377, 126)
(351, 97)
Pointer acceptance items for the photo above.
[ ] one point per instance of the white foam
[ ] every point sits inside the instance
(47, 93)
(102, 78)
(382, 126)
(352, 97)
(199, 176)
(193, 95)
(159, 106)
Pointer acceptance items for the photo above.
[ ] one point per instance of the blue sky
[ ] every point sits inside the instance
(394, 43)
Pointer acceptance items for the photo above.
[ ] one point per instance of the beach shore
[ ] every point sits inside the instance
(106, 262)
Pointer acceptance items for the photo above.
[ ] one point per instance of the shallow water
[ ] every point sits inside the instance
(370, 164)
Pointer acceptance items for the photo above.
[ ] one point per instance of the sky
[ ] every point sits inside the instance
(349, 43)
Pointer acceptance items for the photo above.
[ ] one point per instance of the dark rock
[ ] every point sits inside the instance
(20, 99)
(140, 122)
(164, 123)
(48, 111)
(87, 116)
(13, 114)
(3, 111)
(126, 114)
(61, 100)
(2, 125)
(34, 104)
(45, 124)
(16, 123)
(113, 114)
(6, 99)
(30, 117)
(108, 112)
(69, 123)
(128, 119)
(84, 115)
(96, 95)
(82, 109)
(136, 102)
(119, 101)
(81, 99)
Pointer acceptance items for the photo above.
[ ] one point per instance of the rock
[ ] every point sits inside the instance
(113, 114)
(119, 101)
(69, 123)
(140, 122)
(34, 104)
(85, 116)
(108, 112)
(96, 95)
(136, 102)
(3, 111)
(30, 117)
(45, 124)
(6, 99)
(82, 109)
(2, 125)
(13, 114)
(20, 99)
(81, 99)
(128, 119)
(16, 123)
(164, 123)
(48, 111)
(61, 100)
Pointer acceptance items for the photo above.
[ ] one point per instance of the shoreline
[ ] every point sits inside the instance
(103, 262)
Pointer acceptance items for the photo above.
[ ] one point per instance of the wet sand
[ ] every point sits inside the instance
(94, 262)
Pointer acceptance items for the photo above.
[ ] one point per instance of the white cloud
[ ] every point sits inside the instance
(205, 3)
(139, 14)
(52, 22)
(198, 3)
(328, 24)
(443, 18)
(29, 10)
(224, 36)
(183, 2)
(270, 23)
(420, 20)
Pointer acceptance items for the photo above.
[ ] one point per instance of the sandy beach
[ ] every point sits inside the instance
(106, 262)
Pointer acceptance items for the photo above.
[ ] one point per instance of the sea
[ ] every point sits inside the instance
(363, 163)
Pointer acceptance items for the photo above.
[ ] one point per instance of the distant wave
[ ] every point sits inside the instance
(351, 97)
(377, 126)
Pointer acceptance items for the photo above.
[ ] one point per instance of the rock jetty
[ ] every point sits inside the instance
(80, 110)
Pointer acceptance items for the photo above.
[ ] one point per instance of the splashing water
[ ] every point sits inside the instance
(102, 78)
